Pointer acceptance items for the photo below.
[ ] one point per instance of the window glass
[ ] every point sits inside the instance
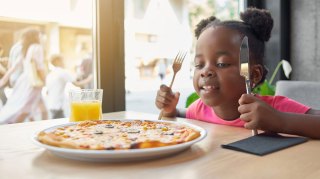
(63, 54)
(155, 31)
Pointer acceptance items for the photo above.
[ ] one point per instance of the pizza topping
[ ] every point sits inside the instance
(109, 126)
(98, 132)
(145, 127)
(167, 133)
(133, 130)
(133, 138)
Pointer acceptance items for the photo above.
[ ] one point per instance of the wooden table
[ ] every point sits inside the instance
(20, 158)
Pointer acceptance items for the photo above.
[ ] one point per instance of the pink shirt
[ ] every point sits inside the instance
(199, 111)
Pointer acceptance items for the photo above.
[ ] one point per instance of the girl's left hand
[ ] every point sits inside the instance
(259, 115)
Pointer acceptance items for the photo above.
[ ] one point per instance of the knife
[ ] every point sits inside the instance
(244, 65)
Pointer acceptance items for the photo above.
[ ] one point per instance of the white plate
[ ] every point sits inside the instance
(119, 155)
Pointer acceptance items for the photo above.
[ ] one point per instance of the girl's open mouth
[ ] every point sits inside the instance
(209, 88)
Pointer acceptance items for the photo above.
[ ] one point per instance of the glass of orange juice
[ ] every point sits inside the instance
(85, 104)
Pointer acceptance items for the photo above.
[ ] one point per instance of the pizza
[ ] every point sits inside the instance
(118, 135)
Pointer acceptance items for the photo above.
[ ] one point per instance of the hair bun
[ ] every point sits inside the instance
(202, 24)
(260, 20)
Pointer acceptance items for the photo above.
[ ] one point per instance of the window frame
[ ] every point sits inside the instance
(108, 45)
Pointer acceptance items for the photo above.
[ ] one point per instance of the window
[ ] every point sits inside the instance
(154, 33)
(128, 39)
(66, 30)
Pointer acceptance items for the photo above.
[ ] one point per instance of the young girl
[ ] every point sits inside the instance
(222, 90)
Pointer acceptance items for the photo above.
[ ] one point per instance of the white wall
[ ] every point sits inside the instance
(305, 40)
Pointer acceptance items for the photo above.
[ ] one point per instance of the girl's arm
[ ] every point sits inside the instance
(302, 124)
(259, 115)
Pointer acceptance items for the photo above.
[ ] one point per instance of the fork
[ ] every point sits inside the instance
(176, 66)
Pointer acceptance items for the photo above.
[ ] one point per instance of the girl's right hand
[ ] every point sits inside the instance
(167, 100)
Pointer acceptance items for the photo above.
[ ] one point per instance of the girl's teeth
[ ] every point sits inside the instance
(207, 87)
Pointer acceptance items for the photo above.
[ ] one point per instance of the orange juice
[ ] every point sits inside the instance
(85, 110)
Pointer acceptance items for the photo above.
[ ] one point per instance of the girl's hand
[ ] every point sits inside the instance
(259, 115)
(167, 100)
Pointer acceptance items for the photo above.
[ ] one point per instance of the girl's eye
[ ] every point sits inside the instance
(198, 66)
(222, 65)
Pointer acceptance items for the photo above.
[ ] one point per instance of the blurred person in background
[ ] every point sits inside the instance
(85, 72)
(25, 98)
(14, 55)
(56, 82)
(3, 70)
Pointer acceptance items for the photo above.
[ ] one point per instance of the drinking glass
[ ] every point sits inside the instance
(85, 104)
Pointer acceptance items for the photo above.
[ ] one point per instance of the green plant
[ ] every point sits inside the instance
(191, 98)
(267, 88)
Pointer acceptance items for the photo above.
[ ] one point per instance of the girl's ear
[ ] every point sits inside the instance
(256, 74)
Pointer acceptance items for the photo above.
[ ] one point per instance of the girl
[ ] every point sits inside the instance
(222, 90)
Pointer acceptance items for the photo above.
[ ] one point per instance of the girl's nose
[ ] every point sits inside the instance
(207, 73)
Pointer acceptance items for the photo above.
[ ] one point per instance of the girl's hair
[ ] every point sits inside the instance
(29, 37)
(256, 24)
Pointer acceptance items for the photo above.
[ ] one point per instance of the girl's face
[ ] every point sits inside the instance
(216, 76)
